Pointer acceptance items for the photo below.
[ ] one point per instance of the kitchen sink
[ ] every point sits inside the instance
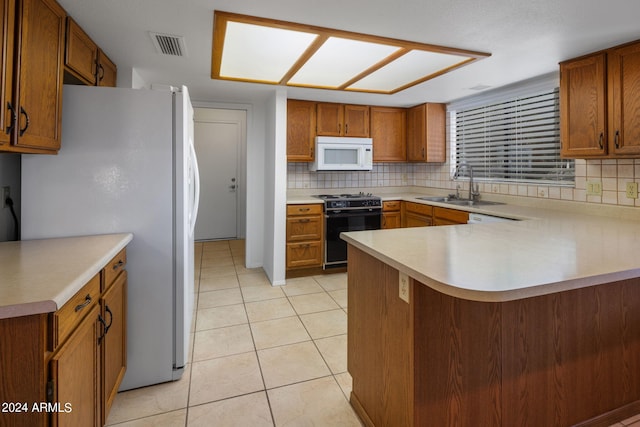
(459, 202)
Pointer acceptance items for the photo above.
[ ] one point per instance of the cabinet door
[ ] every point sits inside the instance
(415, 220)
(6, 68)
(107, 73)
(388, 130)
(41, 27)
(624, 100)
(74, 370)
(356, 121)
(301, 128)
(114, 341)
(391, 220)
(416, 133)
(583, 107)
(329, 119)
(81, 54)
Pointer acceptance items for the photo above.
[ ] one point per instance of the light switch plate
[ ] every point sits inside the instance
(404, 287)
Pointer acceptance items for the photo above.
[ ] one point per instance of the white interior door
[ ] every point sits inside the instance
(218, 138)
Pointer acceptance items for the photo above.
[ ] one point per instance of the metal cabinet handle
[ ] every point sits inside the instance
(100, 72)
(106, 327)
(118, 264)
(87, 301)
(13, 118)
(346, 128)
(26, 126)
(600, 140)
(304, 209)
(304, 221)
(423, 152)
(617, 139)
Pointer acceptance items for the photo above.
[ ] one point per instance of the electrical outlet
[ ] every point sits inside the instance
(6, 193)
(404, 287)
(594, 188)
(632, 190)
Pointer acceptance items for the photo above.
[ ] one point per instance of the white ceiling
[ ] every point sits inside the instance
(526, 38)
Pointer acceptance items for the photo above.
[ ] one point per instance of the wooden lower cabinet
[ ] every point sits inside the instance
(446, 216)
(416, 215)
(66, 366)
(444, 361)
(305, 236)
(75, 376)
(391, 214)
(114, 342)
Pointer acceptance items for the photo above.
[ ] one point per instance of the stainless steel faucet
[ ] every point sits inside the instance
(474, 193)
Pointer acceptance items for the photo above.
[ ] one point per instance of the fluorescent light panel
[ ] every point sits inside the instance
(262, 50)
(338, 61)
(253, 52)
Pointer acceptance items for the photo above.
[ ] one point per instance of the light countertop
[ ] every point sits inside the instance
(547, 251)
(553, 247)
(39, 276)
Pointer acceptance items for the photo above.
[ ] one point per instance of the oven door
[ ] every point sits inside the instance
(335, 249)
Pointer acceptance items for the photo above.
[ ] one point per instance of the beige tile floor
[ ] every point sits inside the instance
(262, 355)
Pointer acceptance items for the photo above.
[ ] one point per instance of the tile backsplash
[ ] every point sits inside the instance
(613, 174)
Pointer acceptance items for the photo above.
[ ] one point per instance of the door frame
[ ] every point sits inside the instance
(241, 181)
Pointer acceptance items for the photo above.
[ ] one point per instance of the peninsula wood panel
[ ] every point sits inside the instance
(563, 359)
(377, 316)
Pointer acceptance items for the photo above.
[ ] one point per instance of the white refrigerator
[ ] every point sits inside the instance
(127, 164)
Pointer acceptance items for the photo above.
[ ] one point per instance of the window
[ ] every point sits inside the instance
(512, 137)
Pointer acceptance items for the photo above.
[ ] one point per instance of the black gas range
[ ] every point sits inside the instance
(347, 212)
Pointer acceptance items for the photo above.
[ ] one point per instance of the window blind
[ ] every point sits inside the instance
(513, 140)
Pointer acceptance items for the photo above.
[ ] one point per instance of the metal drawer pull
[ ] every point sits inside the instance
(600, 140)
(304, 209)
(118, 264)
(304, 220)
(617, 139)
(87, 301)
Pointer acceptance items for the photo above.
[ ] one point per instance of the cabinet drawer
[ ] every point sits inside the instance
(114, 267)
(418, 208)
(315, 209)
(69, 315)
(308, 254)
(449, 216)
(390, 206)
(304, 228)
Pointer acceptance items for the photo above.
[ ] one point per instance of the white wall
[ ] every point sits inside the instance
(275, 187)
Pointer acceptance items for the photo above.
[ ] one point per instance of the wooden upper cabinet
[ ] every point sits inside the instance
(426, 136)
(600, 104)
(388, 130)
(624, 100)
(107, 72)
(7, 29)
(356, 121)
(583, 107)
(330, 119)
(342, 120)
(81, 54)
(85, 63)
(301, 128)
(41, 29)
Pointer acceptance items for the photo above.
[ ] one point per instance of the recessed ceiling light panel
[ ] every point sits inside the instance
(338, 60)
(253, 52)
(412, 67)
(247, 48)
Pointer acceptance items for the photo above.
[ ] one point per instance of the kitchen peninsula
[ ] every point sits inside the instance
(62, 329)
(533, 322)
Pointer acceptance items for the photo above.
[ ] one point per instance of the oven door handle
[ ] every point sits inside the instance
(349, 214)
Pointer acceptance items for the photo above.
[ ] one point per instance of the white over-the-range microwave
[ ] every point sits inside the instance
(343, 154)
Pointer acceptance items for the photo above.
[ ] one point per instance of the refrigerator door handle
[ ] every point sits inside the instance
(196, 186)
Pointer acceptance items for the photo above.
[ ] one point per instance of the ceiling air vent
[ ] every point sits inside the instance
(168, 44)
